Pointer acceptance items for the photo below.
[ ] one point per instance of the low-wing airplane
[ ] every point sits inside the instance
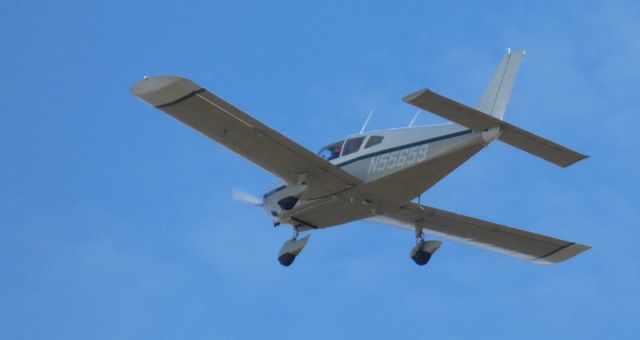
(375, 175)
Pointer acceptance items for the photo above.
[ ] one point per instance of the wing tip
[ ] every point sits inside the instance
(158, 91)
(579, 157)
(563, 254)
(412, 96)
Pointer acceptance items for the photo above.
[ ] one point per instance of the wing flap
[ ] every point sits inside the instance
(243, 134)
(500, 238)
(511, 134)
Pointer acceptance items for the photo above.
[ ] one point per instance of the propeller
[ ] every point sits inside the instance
(245, 197)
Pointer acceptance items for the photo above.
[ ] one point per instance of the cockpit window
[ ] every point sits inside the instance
(331, 151)
(373, 140)
(352, 145)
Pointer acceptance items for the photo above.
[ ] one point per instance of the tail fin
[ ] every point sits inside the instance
(495, 97)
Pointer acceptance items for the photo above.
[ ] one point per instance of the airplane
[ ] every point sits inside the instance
(376, 175)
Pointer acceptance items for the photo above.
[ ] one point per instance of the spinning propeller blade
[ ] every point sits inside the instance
(245, 197)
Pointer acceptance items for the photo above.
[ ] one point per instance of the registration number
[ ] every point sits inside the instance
(397, 159)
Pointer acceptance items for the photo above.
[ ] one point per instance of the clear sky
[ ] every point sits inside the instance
(116, 221)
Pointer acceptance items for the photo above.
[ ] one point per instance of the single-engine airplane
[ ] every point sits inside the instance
(375, 175)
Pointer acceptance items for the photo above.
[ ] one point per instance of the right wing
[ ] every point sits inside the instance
(238, 131)
(511, 241)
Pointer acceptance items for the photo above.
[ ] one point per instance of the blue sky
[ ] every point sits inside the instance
(116, 221)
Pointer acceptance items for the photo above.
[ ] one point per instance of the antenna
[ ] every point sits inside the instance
(414, 117)
(366, 121)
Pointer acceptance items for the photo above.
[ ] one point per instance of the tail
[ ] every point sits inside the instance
(489, 112)
(495, 97)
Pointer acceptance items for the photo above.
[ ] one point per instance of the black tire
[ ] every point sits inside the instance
(286, 259)
(421, 257)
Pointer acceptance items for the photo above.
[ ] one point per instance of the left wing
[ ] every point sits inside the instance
(238, 131)
(511, 241)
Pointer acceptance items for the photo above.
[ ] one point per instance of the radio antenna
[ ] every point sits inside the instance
(366, 121)
(414, 117)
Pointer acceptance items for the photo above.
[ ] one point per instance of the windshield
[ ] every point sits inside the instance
(331, 151)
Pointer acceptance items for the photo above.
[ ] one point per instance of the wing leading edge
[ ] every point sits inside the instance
(500, 238)
(243, 134)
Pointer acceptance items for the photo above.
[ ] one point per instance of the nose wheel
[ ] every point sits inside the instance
(291, 248)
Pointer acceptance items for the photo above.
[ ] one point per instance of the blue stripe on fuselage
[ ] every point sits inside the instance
(373, 154)
(426, 141)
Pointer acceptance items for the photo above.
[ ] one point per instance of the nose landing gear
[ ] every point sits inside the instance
(291, 249)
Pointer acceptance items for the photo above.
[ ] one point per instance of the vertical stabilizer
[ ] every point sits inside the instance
(495, 97)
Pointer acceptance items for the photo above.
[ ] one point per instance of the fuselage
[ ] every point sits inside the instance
(399, 149)
(411, 159)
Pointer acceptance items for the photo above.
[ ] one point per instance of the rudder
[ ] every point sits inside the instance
(496, 95)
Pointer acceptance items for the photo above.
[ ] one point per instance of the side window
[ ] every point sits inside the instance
(352, 145)
(373, 140)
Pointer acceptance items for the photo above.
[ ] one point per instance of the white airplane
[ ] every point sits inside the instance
(375, 175)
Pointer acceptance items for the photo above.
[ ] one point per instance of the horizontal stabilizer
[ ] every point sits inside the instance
(511, 134)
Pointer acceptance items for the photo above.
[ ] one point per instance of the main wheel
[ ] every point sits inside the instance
(286, 259)
(421, 257)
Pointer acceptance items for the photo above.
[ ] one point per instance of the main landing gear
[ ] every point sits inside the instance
(291, 249)
(421, 253)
